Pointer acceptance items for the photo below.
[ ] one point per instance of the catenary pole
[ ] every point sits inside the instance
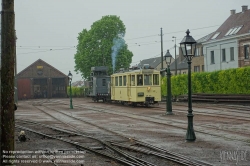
(161, 51)
(175, 60)
(7, 80)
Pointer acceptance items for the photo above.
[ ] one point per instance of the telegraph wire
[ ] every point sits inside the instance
(173, 32)
(18, 47)
(48, 50)
(158, 55)
(193, 29)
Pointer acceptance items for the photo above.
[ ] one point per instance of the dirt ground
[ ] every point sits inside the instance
(219, 141)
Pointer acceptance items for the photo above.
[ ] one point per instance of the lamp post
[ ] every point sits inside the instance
(188, 48)
(168, 58)
(70, 91)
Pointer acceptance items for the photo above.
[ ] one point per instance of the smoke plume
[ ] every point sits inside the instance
(118, 42)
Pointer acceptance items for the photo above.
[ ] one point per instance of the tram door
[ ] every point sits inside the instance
(129, 87)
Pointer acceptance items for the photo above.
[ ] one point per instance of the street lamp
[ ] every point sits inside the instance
(188, 47)
(168, 58)
(70, 91)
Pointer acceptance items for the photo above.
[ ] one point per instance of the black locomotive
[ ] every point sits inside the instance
(99, 84)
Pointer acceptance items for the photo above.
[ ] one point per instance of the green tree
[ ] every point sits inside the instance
(97, 46)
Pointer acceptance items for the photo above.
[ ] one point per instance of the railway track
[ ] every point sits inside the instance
(222, 113)
(224, 107)
(216, 98)
(111, 144)
(204, 129)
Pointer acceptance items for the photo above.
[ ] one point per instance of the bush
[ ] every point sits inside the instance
(231, 81)
(76, 91)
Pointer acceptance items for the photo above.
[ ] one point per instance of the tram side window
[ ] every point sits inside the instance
(139, 80)
(124, 80)
(103, 82)
(116, 81)
(120, 80)
(147, 79)
(156, 79)
(112, 81)
(133, 80)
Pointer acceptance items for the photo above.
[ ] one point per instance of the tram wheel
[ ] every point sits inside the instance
(134, 104)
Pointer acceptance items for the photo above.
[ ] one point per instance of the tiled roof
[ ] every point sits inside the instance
(205, 38)
(235, 20)
(180, 64)
(153, 62)
(41, 61)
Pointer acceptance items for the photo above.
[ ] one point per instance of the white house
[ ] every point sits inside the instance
(221, 51)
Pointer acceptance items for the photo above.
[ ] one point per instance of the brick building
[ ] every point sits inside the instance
(244, 51)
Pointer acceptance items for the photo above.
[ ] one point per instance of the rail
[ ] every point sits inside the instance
(201, 97)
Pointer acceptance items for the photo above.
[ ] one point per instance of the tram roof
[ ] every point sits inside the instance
(138, 71)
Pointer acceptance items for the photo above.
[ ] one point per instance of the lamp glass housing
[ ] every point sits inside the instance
(188, 46)
(70, 76)
(168, 58)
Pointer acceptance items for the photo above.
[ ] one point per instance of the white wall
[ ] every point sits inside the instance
(217, 48)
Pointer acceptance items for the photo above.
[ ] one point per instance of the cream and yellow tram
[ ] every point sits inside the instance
(141, 86)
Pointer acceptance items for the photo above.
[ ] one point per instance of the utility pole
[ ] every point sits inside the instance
(161, 51)
(15, 81)
(175, 61)
(8, 40)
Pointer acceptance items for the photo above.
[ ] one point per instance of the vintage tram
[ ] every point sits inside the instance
(138, 86)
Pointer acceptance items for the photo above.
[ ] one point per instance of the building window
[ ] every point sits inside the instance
(223, 55)
(196, 68)
(202, 68)
(202, 51)
(231, 53)
(233, 30)
(212, 57)
(184, 72)
(215, 35)
(246, 51)
(103, 82)
(197, 52)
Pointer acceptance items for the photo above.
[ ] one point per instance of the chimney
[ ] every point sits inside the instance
(232, 11)
(244, 8)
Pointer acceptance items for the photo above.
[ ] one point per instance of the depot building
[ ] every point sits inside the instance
(41, 80)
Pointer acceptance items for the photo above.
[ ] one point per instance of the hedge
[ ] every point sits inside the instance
(230, 81)
(77, 91)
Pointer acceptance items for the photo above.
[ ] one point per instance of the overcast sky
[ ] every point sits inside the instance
(48, 29)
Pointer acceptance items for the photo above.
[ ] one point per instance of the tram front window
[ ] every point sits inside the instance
(156, 79)
(148, 79)
(139, 80)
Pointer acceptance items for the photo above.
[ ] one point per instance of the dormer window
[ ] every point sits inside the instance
(233, 30)
(215, 35)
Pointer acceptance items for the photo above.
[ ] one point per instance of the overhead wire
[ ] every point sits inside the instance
(172, 32)
(136, 44)
(47, 50)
